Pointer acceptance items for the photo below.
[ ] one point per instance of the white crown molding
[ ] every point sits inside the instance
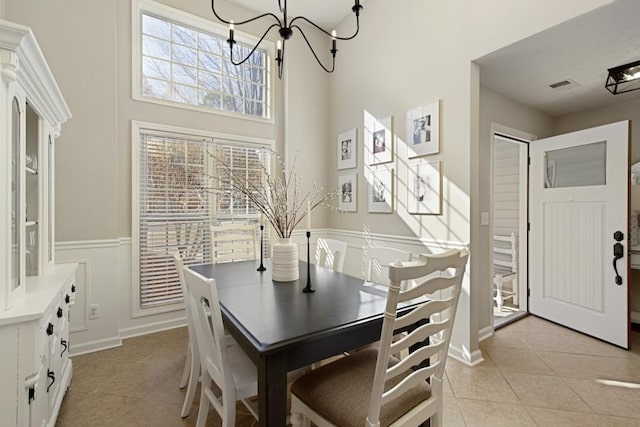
(34, 73)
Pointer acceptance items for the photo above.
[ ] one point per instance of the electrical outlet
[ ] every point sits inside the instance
(94, 311)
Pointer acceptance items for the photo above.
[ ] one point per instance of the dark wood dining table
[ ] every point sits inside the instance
(282, 329)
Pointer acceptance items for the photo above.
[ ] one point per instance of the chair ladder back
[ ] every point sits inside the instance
(507, 248)
(330, 253)
(210, 334)
(233, 242)
(439, 312)
(379, 259)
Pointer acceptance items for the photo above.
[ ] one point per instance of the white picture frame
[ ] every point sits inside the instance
(378, 140)
(347, 149)
(424, 185)
(423, 130)
(348, 192)
(380, 191)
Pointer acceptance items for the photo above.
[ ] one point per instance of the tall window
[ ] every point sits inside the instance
(179, 198)
(186, 61)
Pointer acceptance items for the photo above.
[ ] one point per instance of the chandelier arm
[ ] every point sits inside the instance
(252, 50)
(314, 52)
(243, 22)
(325, 31)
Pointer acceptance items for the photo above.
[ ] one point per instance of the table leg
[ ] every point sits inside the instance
(272, 391)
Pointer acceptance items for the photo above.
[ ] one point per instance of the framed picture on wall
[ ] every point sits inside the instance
(347, 151)
(423, 130)
(423, 189)
(348, 192)
(378, 139)
(380, 190)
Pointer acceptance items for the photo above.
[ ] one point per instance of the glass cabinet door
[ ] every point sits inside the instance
(50, 206)
(16, 186)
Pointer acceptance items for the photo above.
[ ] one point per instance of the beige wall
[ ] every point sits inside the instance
(496, 109)
(406, 55)
(403, 59)
(81, 53)
(625, 110)
(92, 64)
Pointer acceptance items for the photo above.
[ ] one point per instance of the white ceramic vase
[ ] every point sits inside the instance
(284, 261)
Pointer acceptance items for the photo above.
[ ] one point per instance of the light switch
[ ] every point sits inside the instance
(484, 218)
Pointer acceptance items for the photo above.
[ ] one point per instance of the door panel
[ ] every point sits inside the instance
(578, 200)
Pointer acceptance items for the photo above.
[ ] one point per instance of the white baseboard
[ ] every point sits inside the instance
(463, 356)
(93, 346)
(154, 327)
(486, 332)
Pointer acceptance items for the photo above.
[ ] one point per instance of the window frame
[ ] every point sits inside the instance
(137, 129)
(139, 7)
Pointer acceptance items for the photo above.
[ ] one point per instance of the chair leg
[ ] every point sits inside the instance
(514, 283)
(194, 375)
(187, 367)
(499, 300)
(203, 410)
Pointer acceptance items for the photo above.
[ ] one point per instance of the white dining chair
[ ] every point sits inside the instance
(233, 242)
(371, 387)
(330, 253)
(378, 260)
(228, 375)
(191, 371)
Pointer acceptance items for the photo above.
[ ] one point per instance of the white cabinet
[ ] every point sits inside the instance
(35, 293)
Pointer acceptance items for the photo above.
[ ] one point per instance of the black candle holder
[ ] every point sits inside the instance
(308, 289)
(262, 267)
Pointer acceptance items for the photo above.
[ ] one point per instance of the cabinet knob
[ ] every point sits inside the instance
(52, 376)
(50, 329)
(64, 344)
(59, 313)
(67, 298)
(73, 288)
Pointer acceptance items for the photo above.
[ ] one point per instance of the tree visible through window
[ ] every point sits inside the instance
(190, 66)
(178, 200)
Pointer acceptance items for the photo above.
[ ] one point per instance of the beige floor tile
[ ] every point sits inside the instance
(620, 421)
(558, 418)
(446, 387)
(481, 383)
(479, 413)
(586, 366)
(505, 338)
(607, 400)
(545, 391)
(535, 325)
(518, 360)
(452, 416)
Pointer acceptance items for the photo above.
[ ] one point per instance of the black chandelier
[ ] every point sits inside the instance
(285, 29)
(623, 78)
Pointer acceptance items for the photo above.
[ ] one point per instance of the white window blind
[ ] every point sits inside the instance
(179, 198)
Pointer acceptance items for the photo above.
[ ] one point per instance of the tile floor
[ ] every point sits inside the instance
(534, 373)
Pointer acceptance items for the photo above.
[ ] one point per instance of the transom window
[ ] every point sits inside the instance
(182, 63)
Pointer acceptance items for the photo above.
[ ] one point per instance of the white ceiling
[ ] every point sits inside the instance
(326, 13)
(581, 50)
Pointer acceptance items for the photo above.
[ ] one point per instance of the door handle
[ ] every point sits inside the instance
(618, 252)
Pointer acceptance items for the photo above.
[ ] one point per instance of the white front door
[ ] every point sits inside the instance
(578, 200)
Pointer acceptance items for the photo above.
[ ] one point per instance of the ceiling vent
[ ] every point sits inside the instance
(564, 84)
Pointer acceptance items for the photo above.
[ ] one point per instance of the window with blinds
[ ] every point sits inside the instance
(180, 197)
